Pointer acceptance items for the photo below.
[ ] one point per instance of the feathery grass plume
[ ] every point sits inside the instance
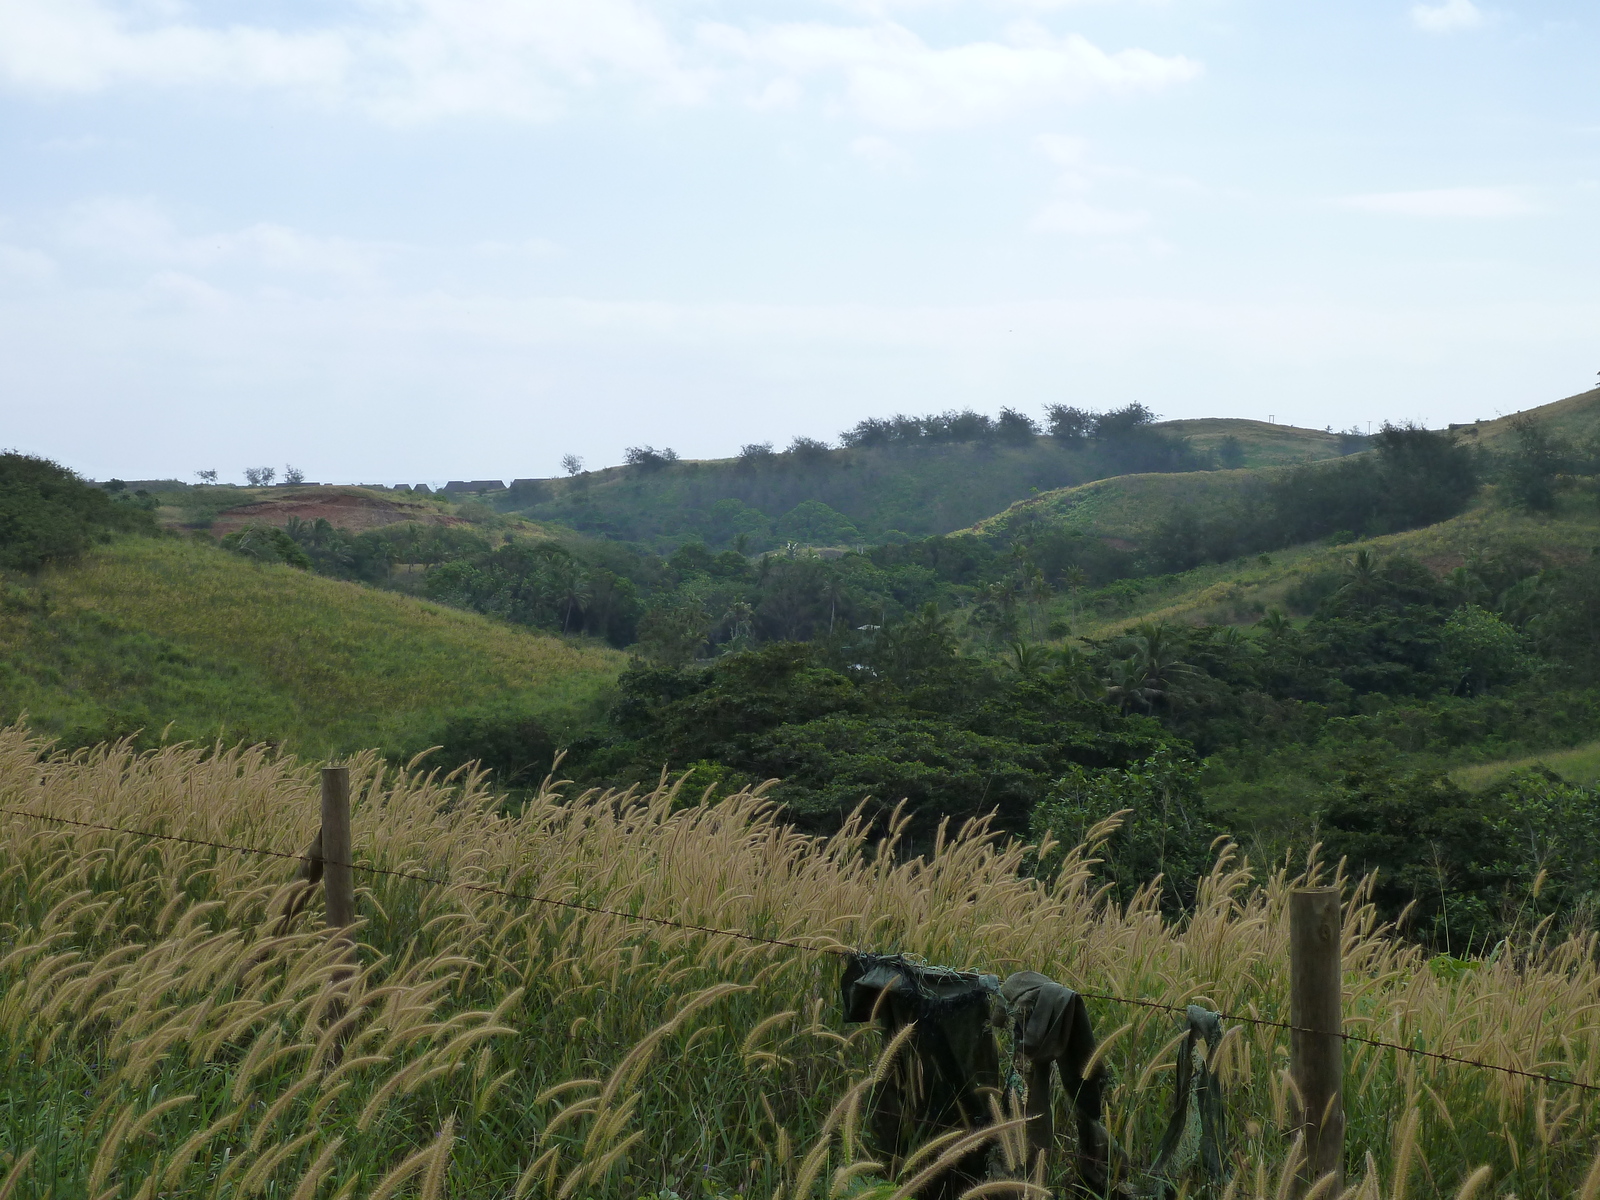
(576, 1048)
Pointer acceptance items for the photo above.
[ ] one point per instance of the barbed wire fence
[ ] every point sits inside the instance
(838, 951)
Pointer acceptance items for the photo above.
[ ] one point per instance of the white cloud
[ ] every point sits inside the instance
(141, 232)
(893, 78)
(24, 264)
(1072, 212)
(1086, 220)
(417, 60)
(1449, 202)
(1447, 17)
(410, 60)
(881, 154)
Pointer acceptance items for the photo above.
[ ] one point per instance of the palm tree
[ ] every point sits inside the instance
(1026, 660)
(1036, 588)
(738, 619)
(1074, 579)
(1153, 672)
(1362, 582)
(572, 588)
(832, 592)
(1276, 623)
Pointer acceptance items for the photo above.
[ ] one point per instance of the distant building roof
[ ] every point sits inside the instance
(474, 485)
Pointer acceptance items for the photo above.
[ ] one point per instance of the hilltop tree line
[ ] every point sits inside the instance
(888, 479)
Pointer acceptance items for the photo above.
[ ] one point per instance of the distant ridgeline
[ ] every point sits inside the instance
(889, 480)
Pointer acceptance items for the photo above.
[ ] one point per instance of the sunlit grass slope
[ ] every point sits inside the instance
(1126, 507)
(1261, 443)
(150, 631)
(1576, 417)
(163, 1031)
(1239, 591)
(1580, 765)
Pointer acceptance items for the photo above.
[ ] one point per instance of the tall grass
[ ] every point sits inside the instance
(165, 1033)
(147, 631)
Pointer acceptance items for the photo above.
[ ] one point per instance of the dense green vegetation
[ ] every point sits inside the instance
(1263, 652)
(49, 515)
(888, 481)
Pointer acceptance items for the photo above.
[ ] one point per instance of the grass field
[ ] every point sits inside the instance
(1126, 507)
(1238, 592)
(147, 632)
(1262, 443)
(1576, 417)
(165, 1033)
(1579, 764)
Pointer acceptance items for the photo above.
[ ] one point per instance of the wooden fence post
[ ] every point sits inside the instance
(338, 880)
(1316, 1056)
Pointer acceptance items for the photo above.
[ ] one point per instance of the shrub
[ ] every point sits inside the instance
(48, 515)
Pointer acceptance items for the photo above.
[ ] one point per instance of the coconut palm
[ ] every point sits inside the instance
(1275, 623)
(1362, 581)
(833, 591)
(572, 589)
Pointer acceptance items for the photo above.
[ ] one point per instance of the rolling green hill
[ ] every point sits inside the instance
(146, 633)
(1261, 444)
(1239, 592)
(1123, 508)
(849, 496)
(1576, 418)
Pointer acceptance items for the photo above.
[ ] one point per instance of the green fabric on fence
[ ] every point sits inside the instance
(1051, 1030)
(950, 1072)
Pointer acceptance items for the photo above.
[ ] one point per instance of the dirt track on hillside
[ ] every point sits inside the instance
(355, 511)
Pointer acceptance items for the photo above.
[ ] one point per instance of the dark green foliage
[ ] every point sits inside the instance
(517, 746)
(915, 476)
(50, 516)
(1470, 869)
(1166, 827)
(1415, 477)
(889, 714)
(267, 544)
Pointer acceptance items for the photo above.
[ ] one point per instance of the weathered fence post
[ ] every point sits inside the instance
(338, 880)
(1316, 1052)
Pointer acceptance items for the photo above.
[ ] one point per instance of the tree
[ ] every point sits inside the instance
(572, 589)
(833, 591)
(1363, 582)
(49, 515)
(1230, 452)
(1015, 427)
(1067, 424)
(260, 476)
(206, 476)
(572, 465)
(648, 458)
(293, 474)
(809, 451)
(1534, 467)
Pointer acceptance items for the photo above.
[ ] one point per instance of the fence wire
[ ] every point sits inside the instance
(835, 950)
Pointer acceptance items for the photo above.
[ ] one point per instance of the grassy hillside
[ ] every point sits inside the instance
(1125, 507)
(870, 495)
(191, 1043)
(147, 632)
(1576, 418)
(1240, 591)
(1260, 444)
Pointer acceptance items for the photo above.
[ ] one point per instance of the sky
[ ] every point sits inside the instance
(412, 240)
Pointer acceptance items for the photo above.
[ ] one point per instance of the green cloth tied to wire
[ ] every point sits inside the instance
(1197, 1131)
(950, 1071)
(1051, 1034)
